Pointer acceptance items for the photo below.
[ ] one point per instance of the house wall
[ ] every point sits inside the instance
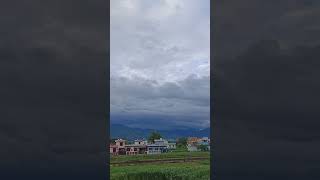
(192, 148)
(155, 149)
(114, 150)
(171, 145)
(120, 144)
(160, 142)
(131, 150)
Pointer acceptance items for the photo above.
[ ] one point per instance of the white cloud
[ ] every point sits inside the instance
(156, 46)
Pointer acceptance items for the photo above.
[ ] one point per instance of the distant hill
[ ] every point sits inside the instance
(122, 131)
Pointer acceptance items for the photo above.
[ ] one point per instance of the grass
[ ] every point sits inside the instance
(177, 154)
(199, 170)
(178, 171)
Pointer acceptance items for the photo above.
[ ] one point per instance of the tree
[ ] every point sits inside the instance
(182, 141)
(203, 147)
(112, 140)
(154, 135)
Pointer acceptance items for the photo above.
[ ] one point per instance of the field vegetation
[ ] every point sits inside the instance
(189, 170)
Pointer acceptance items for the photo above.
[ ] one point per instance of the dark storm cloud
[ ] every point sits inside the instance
(53, 63)
(172, 103)
(156, 121)
(266, 89)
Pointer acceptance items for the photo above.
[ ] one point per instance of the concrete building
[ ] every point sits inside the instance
(156, 149)
(120, 143)
(160, 141)
(114, 150)
(193, 143)
(193, 140)
(172, 146)
(163, 142)
(192, 147)
(133, 149)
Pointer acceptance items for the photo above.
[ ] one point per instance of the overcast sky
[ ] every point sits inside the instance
(160, 63)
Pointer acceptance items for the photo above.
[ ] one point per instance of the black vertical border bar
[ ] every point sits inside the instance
(212, 124)
(107, 106)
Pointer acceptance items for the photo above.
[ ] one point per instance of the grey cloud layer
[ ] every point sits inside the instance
(185, 98)
(160, 57)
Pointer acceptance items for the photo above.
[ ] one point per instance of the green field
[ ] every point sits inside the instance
(190, 170)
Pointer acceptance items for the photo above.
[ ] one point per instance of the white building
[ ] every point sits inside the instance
(192, 148)
(156, 149)
(160, 146)
(160, 141)
(171, 146)
(164, 142)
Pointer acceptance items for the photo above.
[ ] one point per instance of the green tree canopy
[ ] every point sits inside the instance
(182, 141)
(154, 135)
(203, 147)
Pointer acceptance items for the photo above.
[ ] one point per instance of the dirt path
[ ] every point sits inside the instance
(157, 161)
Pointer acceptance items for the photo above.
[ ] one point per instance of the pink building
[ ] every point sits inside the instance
(120, 146)
(114, 150)
(120, 143)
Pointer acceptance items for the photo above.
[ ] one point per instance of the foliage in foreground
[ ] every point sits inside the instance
(176, 171)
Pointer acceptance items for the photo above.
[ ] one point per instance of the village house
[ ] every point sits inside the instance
(143, 147)
(192, 147)
(160, 141)
(114, 150)
(193, 140)
(140, 142)
(169, 145)
(156, 149)
(120, 143)
(193, 143)
(159, 146)
(172, 144)
(118, 146)
(133, 149)
(205, 140)
(121, 148)
(139, 147)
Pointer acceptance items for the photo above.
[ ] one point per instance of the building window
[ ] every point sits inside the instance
(114, 149)
(121, 143)
(135, 149)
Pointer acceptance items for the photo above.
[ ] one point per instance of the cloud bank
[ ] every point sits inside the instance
(160, 54)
